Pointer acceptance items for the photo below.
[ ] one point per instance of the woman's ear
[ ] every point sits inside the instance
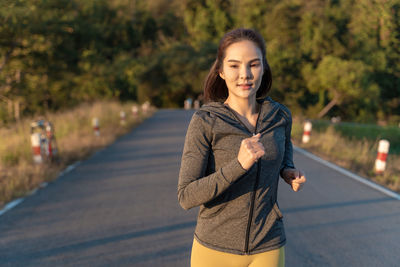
(221, 74)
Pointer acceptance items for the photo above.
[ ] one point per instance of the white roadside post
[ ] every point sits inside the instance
(122, 116)
(307, 132)
(135, 110)
(187, 104)
(35, 140)
(96, 126)
(196, 104)
(380, 162)
(145, 107)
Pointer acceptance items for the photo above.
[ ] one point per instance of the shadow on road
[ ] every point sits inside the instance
(132, 258)
(337, 205)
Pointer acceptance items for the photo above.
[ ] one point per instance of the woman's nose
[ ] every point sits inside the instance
(245, 73)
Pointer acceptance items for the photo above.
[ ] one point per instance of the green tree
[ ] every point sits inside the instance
(252, 13)
(343, 81)
(282, 37)
(323, 30)
(57, 53)
(206, 20)
(375, 30)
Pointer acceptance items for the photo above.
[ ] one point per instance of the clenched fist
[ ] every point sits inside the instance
(294, 177)
(250, 151)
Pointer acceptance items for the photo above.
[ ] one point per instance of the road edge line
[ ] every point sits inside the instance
(11, 205)
(349, 174)
(17, 201)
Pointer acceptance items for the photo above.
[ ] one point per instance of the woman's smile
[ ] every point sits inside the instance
(245, 86)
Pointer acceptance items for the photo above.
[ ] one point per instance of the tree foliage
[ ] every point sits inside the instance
(328, 57)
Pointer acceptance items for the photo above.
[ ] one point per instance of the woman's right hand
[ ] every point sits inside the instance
(250, 151)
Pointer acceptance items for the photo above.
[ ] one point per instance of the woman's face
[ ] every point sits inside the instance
(242, 69)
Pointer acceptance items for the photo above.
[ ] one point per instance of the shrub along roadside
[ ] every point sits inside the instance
(353, 152)
(75, 140)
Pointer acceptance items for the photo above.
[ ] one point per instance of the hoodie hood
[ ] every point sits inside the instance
(268, 111)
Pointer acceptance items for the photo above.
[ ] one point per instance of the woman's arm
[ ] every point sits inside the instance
(194, 188)
(292, 176)
(287, 161)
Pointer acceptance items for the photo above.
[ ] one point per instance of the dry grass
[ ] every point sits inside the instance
(356, 155)
(75, 141)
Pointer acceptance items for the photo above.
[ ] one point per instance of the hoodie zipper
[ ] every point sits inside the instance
(253, 199)
(253, 193)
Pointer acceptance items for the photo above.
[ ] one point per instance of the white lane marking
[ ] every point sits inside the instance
(11, 205)
(69, 168)
(349, 174)
(14, 203)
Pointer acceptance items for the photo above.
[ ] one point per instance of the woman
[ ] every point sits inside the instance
(236, 147)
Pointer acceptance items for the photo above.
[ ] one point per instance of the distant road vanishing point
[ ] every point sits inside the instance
(120, 208)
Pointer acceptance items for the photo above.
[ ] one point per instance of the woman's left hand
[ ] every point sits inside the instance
(294, 177)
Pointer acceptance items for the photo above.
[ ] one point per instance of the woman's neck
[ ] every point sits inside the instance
(244, 107)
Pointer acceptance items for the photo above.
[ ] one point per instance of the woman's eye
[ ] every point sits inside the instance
(234, 66)
(255, 65)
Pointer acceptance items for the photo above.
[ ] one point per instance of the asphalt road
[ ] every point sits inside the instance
(119, 208)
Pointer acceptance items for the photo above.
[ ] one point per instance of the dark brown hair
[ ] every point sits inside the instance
(215, 87)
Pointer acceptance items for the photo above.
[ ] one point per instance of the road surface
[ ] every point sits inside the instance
(119, 208)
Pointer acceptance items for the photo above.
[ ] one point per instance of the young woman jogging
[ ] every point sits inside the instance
(236, 147)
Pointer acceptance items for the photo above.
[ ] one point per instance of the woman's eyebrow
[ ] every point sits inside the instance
(238, 61)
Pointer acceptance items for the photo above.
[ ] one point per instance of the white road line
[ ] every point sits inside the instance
(14, 203)
(349, 174)
(11, 205)
(69, 168)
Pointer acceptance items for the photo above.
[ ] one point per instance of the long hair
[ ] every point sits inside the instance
(215, 87)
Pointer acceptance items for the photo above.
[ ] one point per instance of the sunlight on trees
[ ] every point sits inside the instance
(328, 58)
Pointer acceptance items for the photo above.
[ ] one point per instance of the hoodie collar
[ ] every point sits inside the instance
(268, 111)
(220, 108)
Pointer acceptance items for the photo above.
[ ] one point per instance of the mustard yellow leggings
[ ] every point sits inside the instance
(206, 257)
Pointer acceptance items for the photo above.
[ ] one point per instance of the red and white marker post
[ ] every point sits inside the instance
(307, 132)
(96, 126)
(37, 155)
(380, 162)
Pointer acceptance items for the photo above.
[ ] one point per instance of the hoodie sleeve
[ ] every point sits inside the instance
(194, 188)
(288, 156)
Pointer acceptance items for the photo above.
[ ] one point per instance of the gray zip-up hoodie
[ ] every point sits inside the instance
(238, 209)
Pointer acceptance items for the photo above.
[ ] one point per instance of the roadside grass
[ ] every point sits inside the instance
(359, 131)
(354, 148)
(75, 141)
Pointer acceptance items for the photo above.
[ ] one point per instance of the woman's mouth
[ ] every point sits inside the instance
(245, 86)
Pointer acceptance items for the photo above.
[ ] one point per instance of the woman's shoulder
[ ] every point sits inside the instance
(284, 109)
(202, 117)
(202, 114)
(208, 111)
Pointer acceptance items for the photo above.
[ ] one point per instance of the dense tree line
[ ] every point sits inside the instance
(328, 57)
